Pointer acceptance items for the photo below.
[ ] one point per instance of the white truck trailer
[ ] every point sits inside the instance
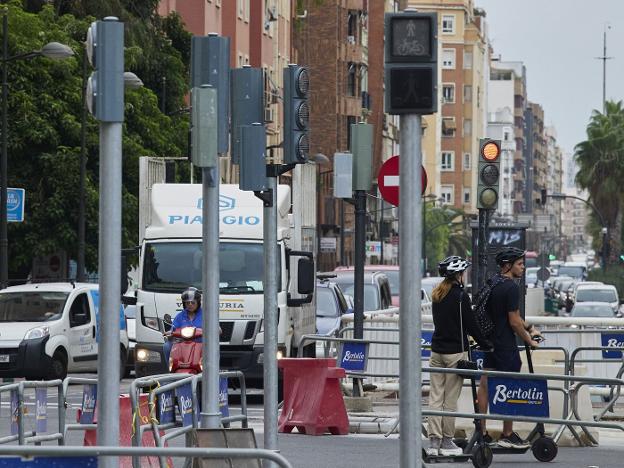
(171, 259)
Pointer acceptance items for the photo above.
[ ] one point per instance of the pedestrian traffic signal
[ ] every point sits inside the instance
(489, 174)
(105, 87)
(296, 114)
(411, 63)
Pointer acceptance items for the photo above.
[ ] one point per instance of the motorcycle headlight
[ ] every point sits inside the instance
(36, 333)
(187, 332)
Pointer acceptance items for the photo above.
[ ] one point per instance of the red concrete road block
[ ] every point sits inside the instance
(126, 420)
(313, 401)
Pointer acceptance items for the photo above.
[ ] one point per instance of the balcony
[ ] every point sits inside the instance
(351, 105)
(354, 4)
(352, 52)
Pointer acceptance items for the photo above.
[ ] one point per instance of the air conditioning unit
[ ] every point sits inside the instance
(351, 39)
(268, 115)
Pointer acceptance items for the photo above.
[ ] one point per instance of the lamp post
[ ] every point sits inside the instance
(53, 50)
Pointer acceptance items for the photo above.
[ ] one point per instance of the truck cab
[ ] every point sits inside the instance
(171, 261)
(50, 329)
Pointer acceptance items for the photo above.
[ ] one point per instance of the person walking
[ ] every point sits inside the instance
(452, 318)
(504, 309)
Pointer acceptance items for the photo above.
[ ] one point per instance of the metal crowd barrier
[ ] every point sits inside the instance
(62, 414)
(212, 453)
(24, 437)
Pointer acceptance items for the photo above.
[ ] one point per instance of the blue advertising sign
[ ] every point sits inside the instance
(16, 198)
(353, 356)
(518, 397)
(223, 397)
(612, 340)
(165, 408)
(184, 394)
(95, 296)
(478, 356)
(41, 413)
(14, 411)
(89, 399)
(425, 340)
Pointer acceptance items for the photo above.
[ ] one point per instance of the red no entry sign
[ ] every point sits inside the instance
(388, 180)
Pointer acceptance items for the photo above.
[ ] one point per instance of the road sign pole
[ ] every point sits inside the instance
(410, 231)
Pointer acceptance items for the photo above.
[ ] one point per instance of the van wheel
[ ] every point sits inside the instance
(58, 366)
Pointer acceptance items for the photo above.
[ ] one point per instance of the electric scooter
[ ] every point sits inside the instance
(186, 353)
(544, 448)
(476, 448)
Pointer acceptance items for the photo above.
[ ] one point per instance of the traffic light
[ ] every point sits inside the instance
(296, 114)
(362, 149)
(204, 126)
(411, 68)
(105, 87)
(247, 104)
(489, 174)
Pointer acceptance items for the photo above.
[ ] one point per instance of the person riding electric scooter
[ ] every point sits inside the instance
(187, 329)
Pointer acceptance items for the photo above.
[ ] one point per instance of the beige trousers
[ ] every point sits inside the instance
(444, 393)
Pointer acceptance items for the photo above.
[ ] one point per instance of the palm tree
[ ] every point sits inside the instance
(601, 166)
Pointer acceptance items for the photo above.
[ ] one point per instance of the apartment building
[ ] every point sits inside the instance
(464, 71)
(554, 184)
(535, 157)
(260, 36)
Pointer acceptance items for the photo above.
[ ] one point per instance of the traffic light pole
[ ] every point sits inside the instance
(410, 232)
(110, 288)
(358, 286)
(210, 417)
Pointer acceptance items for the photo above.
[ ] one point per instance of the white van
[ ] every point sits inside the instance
(50, 329)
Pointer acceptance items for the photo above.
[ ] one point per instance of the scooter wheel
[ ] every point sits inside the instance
(544, 449)
(482, 456)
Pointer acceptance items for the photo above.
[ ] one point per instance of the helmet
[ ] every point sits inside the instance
(508, 255)
(452, 265)
(191, 294)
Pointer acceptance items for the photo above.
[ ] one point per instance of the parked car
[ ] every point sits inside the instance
(330, 306)
(429, 283)
(598, 293)
(576, 270)
(392, 272)
(377, 295)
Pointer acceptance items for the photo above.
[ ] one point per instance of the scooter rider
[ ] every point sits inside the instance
(504, 309)
(190, 316)
(453, 320)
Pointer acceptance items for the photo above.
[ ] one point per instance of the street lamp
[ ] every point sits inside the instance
(52, 50)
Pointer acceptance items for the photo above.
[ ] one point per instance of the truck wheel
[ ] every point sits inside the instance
(58, 366)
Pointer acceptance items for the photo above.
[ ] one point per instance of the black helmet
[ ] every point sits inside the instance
(452, 265)
(191, 294)
(509, 255)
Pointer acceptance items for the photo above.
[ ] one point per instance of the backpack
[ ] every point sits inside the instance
(482, 317)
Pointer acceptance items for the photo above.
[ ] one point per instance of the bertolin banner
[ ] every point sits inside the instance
(425, 341)
(518, 397)
(353, 356)
(612, 340)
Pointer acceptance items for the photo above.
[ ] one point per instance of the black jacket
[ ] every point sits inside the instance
(447, 334)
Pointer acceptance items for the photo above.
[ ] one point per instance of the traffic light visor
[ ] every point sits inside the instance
(490, 151)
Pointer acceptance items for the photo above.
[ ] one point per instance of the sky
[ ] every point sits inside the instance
(558, 41)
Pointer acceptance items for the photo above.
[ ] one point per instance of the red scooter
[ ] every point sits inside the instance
(186, 353)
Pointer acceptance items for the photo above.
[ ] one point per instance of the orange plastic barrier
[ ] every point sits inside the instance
(313, 401)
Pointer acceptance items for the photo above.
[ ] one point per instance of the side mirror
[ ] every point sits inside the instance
(79, 319)
(128, 300)
(305, 276)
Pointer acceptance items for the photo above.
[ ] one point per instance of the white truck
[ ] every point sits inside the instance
(171, 260)
(49, 329)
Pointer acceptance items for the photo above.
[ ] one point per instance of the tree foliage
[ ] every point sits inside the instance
(601, 166)
(45, 114)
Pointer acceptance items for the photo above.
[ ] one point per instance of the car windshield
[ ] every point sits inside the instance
(174, 266)
(326, 305)
(573, 271)
(592, 311)
(371, 299)
(596, 295)
(35, 306)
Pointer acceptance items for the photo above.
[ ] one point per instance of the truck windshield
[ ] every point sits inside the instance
(173, 266)
(36, 306)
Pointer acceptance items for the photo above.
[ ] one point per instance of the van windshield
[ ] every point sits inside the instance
(35, 306)
(174, 266)
(596, 295)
